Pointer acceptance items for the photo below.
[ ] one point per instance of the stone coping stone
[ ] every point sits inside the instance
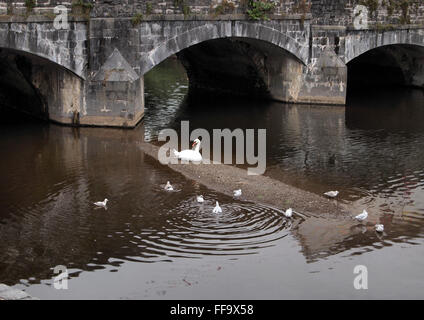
(388, 27)
(36, 18)
(162, 17)
(372, 27)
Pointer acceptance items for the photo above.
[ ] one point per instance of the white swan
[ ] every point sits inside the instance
(332, 194)
(169, 187)
(237, 193)
(101, 204)
(379, 228)
(288, 213)
(190, 155)
(361, 217)
(200, 199)
(217, 208)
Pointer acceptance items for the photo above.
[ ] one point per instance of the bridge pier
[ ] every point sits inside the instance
(115, 95)
(323, 81)
(61, 91)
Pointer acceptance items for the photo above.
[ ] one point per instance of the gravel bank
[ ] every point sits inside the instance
(260, 189)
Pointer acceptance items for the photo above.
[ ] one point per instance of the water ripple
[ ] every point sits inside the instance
(192, 230)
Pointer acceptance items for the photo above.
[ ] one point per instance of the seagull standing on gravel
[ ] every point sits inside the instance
(332, 194)
(379, 228)
(169, 187)
(361, 217)
(200, 199)
(237, 193)
(101, 203)
(288, 213)
(217, 208)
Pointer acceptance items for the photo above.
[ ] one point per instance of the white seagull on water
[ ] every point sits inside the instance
(379, 228)
(169, 187)
(200, 199)
(101, 204)
(237, 193)
(190, 155)
(361, 217)
(217, 208)
(288, 213)
(332, 194)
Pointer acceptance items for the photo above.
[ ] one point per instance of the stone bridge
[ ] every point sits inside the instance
(92, 71)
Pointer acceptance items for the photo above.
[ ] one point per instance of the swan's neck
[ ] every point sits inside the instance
(197, 148)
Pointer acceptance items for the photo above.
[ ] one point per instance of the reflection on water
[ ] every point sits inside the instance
(164, 92)
(48, 216)
(156, 244)
(372, 151)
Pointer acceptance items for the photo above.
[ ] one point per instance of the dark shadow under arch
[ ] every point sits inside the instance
(27, 83)
(390, 65)
(236, 67)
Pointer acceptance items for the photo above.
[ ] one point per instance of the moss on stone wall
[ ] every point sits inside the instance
(183, 6)
(402, 8)
(224, 7)
(149, 8)
(372, 6)
(30, 4)
(137, 19)
(259, 9)
(81, 8)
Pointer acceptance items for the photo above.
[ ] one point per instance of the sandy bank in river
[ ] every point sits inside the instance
(261, 189)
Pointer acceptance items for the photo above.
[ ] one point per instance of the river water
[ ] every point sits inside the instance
(163, 245)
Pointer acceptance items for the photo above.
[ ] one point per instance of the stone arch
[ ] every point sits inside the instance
(231, 29)
(40, 87)
(397, 59)
(360, 42)
(65, 48)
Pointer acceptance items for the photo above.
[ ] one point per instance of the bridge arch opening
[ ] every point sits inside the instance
(35, 87)
(395, 65)
(241, 67)
(18, 95)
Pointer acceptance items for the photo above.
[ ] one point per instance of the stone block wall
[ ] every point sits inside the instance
(129, 8)
(68, 48)
(17, 7)
(324, 12)
(141, 45)
(188, 8)
(381, 12)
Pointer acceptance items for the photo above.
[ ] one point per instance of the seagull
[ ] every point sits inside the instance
(379, 228)
(237, 193)
(288, 213)
(332, 194)
(169, 187)
(200, 199)
(361, 217)
(101, 204)
(217, 208)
